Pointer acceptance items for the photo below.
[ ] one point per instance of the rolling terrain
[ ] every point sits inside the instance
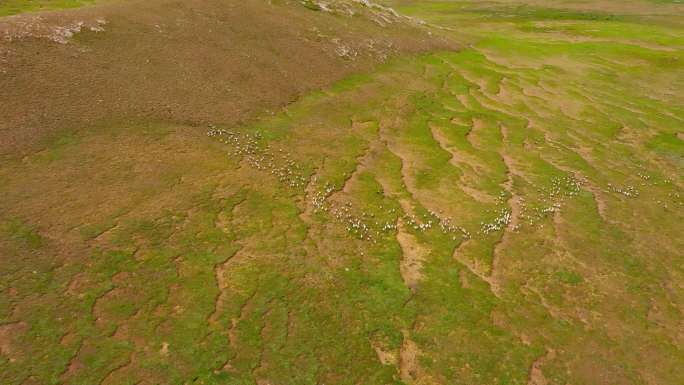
(332, 192)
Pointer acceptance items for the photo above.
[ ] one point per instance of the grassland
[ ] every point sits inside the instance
(505, 213)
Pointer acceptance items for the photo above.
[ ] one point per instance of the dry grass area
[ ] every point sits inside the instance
(329, 192)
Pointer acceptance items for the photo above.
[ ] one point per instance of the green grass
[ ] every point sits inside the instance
(14, 7)
(190, 260)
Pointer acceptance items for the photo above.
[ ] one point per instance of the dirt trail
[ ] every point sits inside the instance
(514, 202)
(413, 256)
(463, 99)
(408, 360)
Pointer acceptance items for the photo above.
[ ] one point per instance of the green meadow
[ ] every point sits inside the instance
(507, 213)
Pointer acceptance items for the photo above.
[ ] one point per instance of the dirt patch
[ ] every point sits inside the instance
(463, 99)
(476, 128)
(408, 360)
(68, 339)
(255, 57)
(536, 376)
(601, 204)
(385, 355)
(477, 195)
(505, 95)
(8, 334)
(413, 256)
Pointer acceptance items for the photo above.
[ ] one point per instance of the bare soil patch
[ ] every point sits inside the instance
(8, 335)
(536, 375)
(408, 360)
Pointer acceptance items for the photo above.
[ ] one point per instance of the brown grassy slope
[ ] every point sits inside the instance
(184, 61)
